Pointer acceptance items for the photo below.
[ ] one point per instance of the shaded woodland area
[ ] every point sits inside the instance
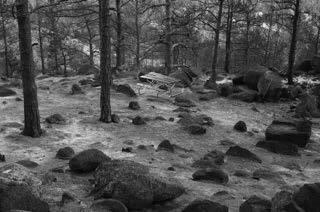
(160, 105)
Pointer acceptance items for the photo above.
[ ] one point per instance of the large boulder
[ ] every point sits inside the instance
(185, 75)
(308, 107)
(87, 160)
(4, 92)
(246, 96)
(256, 204)
(252, 76)
(211, 174)
(133, 184)
(270, 86)
(20, 197)
(125, 89)
(284, 148)
(305, 66)
(282, 201)
(88, 69)
(295, 132)
(308, 197)
(237, 151)
(202, 205)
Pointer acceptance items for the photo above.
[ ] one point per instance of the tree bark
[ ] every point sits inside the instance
(137, 35)
(292, 51)
(105, 61)
(31, 112)
(316, 51)
(228, 37)
(43, 68)
(6, 56)
(168, 41)
(91, 51)
(119, 53)
(211, 83)
(267, 51)
(247, 44)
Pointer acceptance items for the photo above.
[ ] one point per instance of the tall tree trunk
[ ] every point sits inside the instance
(292, 51)
(43, 68)
(31, 112)
(316, 51)
(168, 41)
(105, 61)
(228, 37)
(6, 55)
(247, 44)
(267, 50)
(119, 53)
(54, 40)
(137, 35)
(211, 83)
(64, 56)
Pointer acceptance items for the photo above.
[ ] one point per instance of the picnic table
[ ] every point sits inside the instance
(161, 83)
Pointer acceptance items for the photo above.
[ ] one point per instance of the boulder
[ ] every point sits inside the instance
(290, 131)
(308, 107)
(115, 118)
(65, 153)
(308, 197)
(87, 69)
(240, 126)
(56, 119)
(238, 151)
(238, 80)
(20, 197)
(133, 184)
(138, 120)
(316, 63)
(256, 204)
(28, 163)
(305, 66)
(202, 205)
(284, 148)
(166, 146)
(252, 77)
(225, 90)
(87, 160)
(134, 105)
(196, 129)
(282, 201)
(125, 89)
(188, 120)
(183, 101)
(211, 174)
(210, 160)
(185, 75)
(76, 89)
(4, 92)
(270, 86)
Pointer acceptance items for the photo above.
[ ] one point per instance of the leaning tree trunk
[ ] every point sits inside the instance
(211, 83)
(292, 52)
(31, 112)
(105, 61)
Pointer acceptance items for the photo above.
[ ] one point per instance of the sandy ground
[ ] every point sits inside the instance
(83, 131)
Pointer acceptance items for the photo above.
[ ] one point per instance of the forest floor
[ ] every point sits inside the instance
(84, 131)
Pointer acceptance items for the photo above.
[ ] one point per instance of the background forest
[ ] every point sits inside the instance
(226, 35)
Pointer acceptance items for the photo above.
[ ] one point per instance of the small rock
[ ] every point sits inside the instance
(202, 205)
(159, 118)
(115, 118)
(87, 160)
(4, 102)
(166, 146)
(56, 119)
(18, 99)
(211, 174)
(128, 142)
(65, 153)
(76, 89)
(127, 149)
(111, 205)
(171, 168)
(138, 120)
(240, 126)
(255, 204)
(134, 105)
(4, 92)
(171, 119)
(238, 151)
(196, 129)
(142, 147)
(125, 89)
(2, 158)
